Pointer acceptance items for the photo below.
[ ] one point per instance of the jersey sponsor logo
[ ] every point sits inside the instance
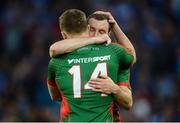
(90, 59)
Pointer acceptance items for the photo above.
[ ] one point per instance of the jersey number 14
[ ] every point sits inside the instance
(75, 71)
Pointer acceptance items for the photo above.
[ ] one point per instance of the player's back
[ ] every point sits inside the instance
(73, 71)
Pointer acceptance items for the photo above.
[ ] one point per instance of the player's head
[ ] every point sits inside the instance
(98, 24)
(72, 22)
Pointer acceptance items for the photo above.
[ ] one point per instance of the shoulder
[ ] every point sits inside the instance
(121, 48)
(53, 61)
(115, 48)
(127, 50)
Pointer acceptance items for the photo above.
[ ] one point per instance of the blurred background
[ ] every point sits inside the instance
(28, 27)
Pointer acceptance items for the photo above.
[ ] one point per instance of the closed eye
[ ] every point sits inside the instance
(102, 31)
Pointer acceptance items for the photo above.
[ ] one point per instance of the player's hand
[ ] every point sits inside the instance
(103, 38)
(111, 19)
(103, 84)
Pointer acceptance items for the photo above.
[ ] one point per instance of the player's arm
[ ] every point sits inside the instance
(124, 95)
(51, 83)
(121, 92)
(68, 45)
(121, 38)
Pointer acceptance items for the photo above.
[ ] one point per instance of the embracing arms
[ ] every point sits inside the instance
(68, 45)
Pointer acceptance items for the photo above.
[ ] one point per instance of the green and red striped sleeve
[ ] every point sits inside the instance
(123, 77)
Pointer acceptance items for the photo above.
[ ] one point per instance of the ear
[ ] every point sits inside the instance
(64, 35)
(110, 32)
(88, 27)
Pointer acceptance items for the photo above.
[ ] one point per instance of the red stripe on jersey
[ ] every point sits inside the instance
(51, 82)
(123, 84)
(111, 109)
(64, 111)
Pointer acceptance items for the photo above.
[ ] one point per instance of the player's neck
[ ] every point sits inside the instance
(82, 35)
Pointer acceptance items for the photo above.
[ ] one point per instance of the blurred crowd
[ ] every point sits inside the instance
(28, 27)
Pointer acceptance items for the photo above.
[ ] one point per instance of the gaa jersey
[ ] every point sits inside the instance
(123, 80)
(71, 73)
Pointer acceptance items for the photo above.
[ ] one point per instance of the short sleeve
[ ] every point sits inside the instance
(126, 59)
(123, 77)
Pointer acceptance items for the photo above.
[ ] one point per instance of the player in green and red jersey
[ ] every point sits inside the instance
(72, 73)
(99, 25)
(92, 106)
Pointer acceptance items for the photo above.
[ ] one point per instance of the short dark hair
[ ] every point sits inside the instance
(98, 17)
(73, 21)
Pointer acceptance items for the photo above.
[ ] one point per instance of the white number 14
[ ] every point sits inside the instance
(75, 71)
